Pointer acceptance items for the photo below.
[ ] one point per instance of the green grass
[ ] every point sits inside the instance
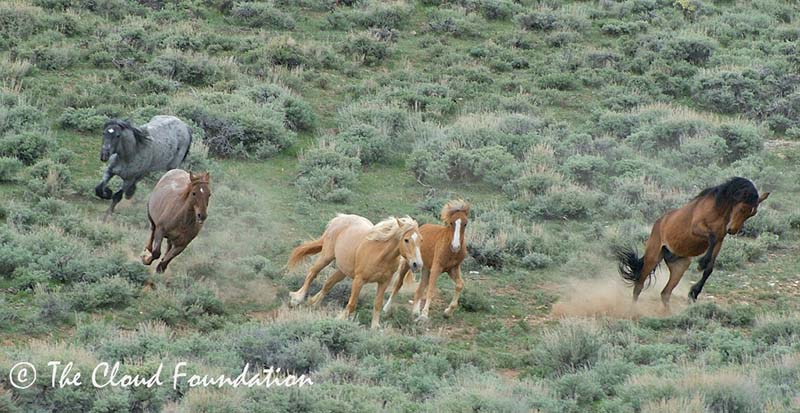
(560, 338)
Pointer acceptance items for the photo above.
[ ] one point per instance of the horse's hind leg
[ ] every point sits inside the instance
(329, 283)
(325, 258)
(652, 256)
(114, 201)
(677, 266)
(455, 274)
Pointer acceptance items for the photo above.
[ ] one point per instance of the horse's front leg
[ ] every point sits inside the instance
(358, 282)
(402, 269)
(131, 188)
(153, 246)
(707, 264)
(101, 190)
(436, 271)
(173, 252)
(376, 311)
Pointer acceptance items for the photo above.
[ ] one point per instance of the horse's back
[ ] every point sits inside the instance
(346, 232)
(166, 193)
(171, 138)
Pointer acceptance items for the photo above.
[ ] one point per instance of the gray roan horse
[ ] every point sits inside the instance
(159, 145)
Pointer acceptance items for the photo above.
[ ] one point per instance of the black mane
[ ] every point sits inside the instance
(732, 192)
(126, 124)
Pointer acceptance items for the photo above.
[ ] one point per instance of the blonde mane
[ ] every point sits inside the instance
(451, 207)
(389, 228)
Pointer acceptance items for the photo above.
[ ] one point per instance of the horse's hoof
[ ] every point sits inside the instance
(147, 258)
(295, 299)
(422, 319)
(448, 312)
(160, 269)
(129, 193)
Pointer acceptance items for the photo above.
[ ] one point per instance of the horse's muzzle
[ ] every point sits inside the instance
(415, 266)
(104, 156)
(201, 218)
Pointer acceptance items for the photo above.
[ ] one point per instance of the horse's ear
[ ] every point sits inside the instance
(192, 177)
(763, 197)
(207, 177)
(399, 224)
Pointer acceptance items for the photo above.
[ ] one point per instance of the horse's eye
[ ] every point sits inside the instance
(406, 240)
(194, 194)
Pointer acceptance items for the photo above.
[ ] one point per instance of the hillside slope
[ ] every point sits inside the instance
(569, 126)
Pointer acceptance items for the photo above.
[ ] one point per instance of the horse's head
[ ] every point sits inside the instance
(200, 194)
(411, 242)
(114, 132)
(455, 214)
(742, 212)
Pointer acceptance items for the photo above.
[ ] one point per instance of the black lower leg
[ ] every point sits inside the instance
(130, 190)
(697, 288)
(706, 260)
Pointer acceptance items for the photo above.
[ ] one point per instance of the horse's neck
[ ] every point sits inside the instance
(185, 213)
(388, 250)
(130, 147)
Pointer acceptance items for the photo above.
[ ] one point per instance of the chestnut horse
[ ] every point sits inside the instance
(443, 250)
(177, 209)
(365, 252)
(696, 228)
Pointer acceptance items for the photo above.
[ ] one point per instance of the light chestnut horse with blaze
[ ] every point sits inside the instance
(697, 228)
(443, 250)
(177, 209)
(365, 252)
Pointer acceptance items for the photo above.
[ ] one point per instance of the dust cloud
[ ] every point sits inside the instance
(607, 295)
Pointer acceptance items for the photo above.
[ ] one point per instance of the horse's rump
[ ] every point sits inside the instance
(171, 139)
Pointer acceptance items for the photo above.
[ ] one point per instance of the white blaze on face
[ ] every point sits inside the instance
(111, 131)
(456, 244)
(414, 236)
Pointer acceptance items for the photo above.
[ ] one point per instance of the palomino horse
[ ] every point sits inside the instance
(177, 209)
(364, 252)
(696, 228)
(443, 250)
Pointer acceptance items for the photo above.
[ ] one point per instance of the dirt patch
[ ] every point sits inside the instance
(607, 295)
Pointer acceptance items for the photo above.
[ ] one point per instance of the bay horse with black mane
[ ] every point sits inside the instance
(443, 250)
(177, 209)
(698, 228)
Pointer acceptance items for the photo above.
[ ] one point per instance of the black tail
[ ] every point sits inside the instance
(630, 265)
(185, 155)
